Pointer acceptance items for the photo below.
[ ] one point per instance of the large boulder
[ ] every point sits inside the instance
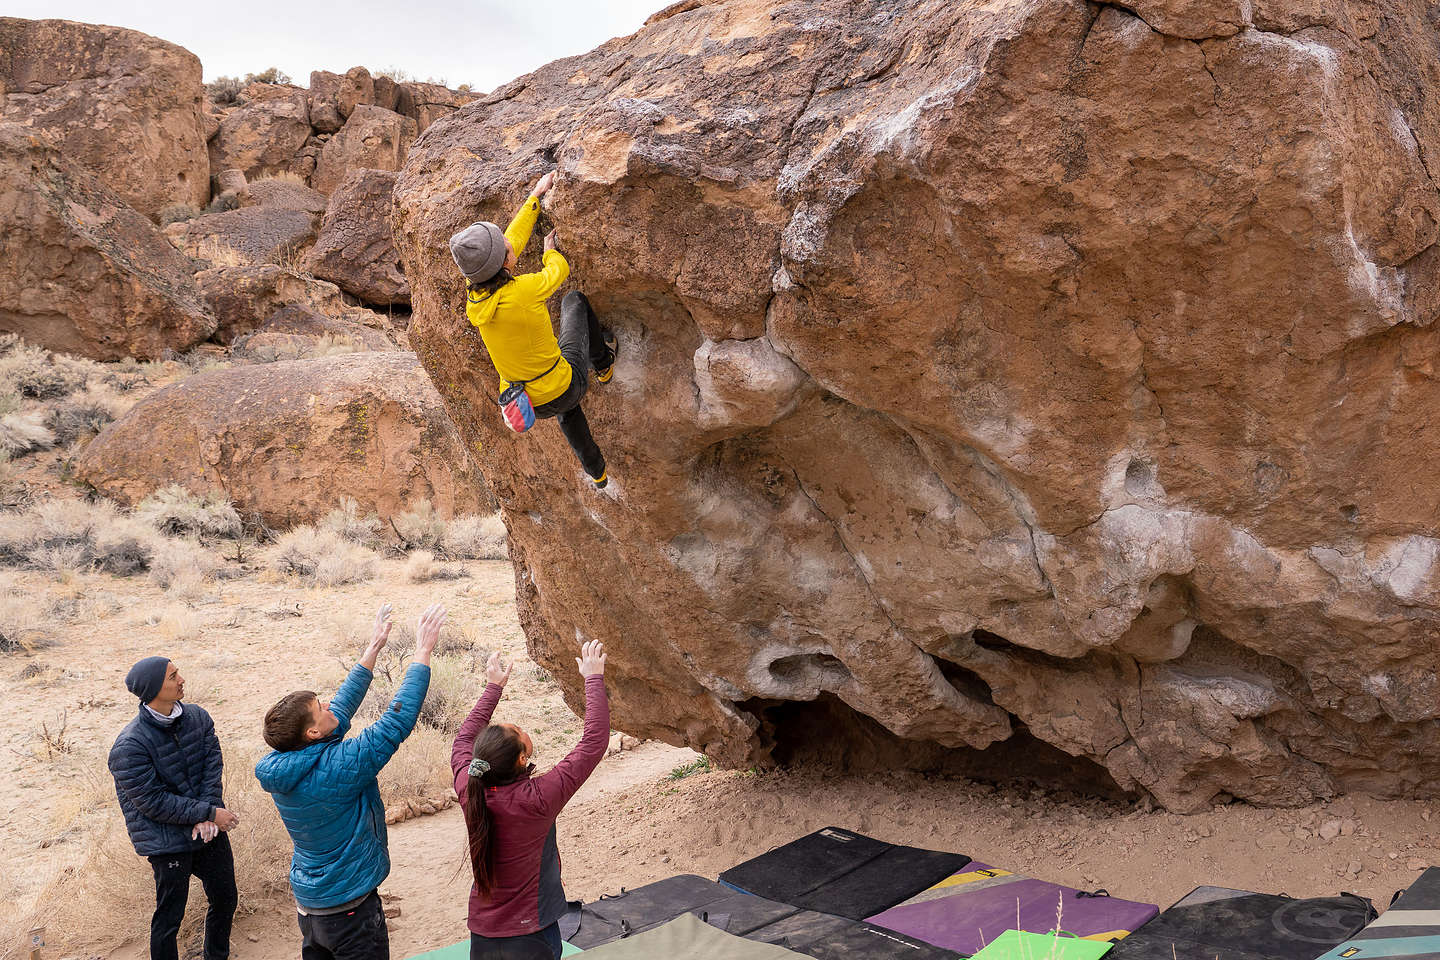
(334, 96)
(266, 133)
(242, 297)
(988, 373)
(373, 137)
(294, 332)
(289, 193)
(356, 248)
(126, 105)
(287, 440)
(259, 233)
(427, 102)
(83, 272)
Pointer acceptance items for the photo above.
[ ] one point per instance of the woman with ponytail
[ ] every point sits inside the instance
(517, 899)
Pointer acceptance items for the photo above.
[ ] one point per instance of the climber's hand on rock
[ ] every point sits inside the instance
(592, 659)
(550, 242)
(495, 672)
(544, 184)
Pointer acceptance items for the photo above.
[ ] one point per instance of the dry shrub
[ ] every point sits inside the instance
(177, 622)
(74, 420)
(225, 90)
(422, 568)
(219, 253)
(22, 433)
(420, 769)
(420, 526)
(322, 558)
(38, 374)
(176, 511)
(9, 403)
(456, 682)
(348, 522)
(475, 537)
(182, 567)
(61, 535)
(21, 622)
(331, 345)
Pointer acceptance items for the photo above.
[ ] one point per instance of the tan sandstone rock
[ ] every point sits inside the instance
(427, 102)
(83, 272)
(287, 440)
(128, 106)
(334, 96)
(294, 332)
(243, 297)
(987, 373)
(265, 133)
(373, 137)
(356, 248)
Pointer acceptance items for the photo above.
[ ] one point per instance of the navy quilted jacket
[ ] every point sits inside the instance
(328, 796)
(167, 778)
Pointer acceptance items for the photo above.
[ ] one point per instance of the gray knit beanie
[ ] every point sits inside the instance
(479, 251)
(147, 677)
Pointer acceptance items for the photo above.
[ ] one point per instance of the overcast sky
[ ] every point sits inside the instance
(482, 44)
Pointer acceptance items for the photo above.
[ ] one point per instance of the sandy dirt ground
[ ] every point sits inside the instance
(632, 823)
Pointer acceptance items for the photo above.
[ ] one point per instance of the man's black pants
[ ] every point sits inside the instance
(582, 344)
(214, 864)
(359, 934)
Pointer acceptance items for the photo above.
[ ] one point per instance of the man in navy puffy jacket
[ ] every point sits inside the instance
(326, 791)
(167, 769)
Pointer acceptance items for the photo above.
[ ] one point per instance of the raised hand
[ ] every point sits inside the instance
(427, 632)
(378, 637)
(495, 672)
(544, 184)
(592, 659)
(551, 241)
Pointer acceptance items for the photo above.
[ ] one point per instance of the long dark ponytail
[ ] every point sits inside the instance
(477, 291)
(498, 746)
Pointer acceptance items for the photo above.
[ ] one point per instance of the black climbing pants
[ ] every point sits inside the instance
(541, 945)
(582, 344)
(214, 864)
(359, 934)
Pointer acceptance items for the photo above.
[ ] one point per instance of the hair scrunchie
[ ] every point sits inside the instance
(478, 767)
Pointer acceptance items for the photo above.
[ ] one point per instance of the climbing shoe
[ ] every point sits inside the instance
(601, 480)
(604, 375)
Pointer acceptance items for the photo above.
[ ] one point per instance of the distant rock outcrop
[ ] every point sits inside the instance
(266, 133)
(243, 297)
(287, 440)
(356, 248)
(294, 332)
(990, 374)
(334, 96)
(373, 138)
(126, 105)
(80, 270)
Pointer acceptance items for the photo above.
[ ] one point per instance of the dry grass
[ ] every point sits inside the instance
(176, 511)
(22, 433)
(69, 535)
(218, 253)
(475, 538)
(78, 419)
(322, 558)
(286, 176)
(181, 567)
(21, 622)
(177, 622)
(422, 568)
(420, 526)
(420, 769)
(456, 682)
(38, 374)
(348, 522)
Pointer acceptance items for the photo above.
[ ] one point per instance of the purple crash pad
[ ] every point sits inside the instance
(967, 910)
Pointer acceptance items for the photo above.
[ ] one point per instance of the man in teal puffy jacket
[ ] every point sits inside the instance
(325, 789)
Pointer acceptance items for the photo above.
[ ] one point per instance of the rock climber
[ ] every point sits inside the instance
(537, 371)
(517, 899)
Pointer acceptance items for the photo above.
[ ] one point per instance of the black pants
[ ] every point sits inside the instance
(359, 934)
(582, 344)
(541, 945)
(214, 864)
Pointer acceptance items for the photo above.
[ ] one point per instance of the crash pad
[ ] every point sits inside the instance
(1409, 930)
(461, 951)
(687, 937)
(843, 873)
(967, 910)
(823, 936)
(634, 911)
(1025, 945)
(1217, 923)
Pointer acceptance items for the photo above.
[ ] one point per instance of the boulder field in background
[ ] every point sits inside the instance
(287, 440)
(126, 105)
(83, 272)
(244, 297)
(356, 248)
(373, 137)
(989, 373)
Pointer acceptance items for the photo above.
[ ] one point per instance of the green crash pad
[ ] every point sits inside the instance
(1020, 945)
(687, 937)
(461, 951)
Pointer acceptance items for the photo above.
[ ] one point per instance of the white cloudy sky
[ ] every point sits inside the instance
(482, 44)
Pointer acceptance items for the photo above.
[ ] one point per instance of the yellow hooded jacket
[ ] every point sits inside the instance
(514, 323)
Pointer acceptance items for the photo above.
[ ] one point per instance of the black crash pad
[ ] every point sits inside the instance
(1217, 923)
(634, 911)
(824, 936)
(842, 873)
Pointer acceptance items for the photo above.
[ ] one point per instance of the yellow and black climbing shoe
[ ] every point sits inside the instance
(603, 374)
(601, 480)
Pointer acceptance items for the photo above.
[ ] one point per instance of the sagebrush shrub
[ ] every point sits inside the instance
(474, 537)
(322, 558)
(22, 433)
(73, 419)
(30, 371)
(420, 526)
(348, 522)
(225, 90)
(175, 511)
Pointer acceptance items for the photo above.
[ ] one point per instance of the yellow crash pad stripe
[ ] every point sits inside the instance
(956, 879)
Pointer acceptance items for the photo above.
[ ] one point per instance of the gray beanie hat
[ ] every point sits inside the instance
(147, 677)
(479, 251)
